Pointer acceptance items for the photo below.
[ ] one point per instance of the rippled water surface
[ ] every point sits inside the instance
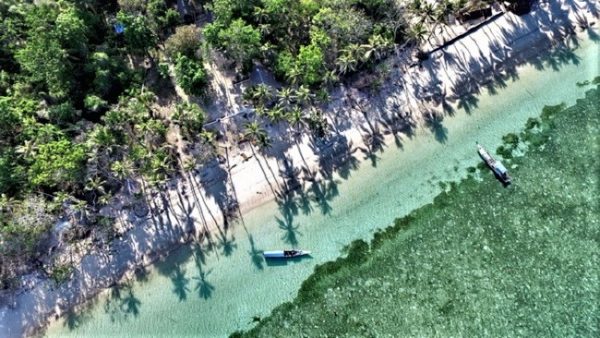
(213, 291)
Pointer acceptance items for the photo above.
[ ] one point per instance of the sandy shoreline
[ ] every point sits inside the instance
(251, 180)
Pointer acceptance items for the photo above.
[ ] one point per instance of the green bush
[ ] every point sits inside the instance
(61, 273)
(190, 75)
(57, 164)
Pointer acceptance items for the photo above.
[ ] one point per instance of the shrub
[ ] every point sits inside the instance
(190, 75)
(185, 41)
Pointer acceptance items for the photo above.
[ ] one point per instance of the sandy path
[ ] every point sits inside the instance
(194, 205)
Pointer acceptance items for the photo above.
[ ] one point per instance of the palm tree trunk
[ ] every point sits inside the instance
(263, 170)
(195, 193)
(149, 201)
(230, 179)
(308, 169)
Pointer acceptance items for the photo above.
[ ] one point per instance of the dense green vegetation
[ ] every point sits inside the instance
(481, 259)
(77, 112)
(80, 82)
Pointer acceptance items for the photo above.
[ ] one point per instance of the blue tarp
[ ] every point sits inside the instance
(119, 28)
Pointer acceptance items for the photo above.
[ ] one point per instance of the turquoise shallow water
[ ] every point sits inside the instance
(215, 291)
(481, 260)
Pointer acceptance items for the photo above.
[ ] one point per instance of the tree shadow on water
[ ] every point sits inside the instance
(561, 56)
(291, 232)
(122, 303)
(592, 35)
(288, 203)
(322, 192)
(180, 283)
(226, 242)
(141, 274)
(433, 121)
(203, 286)
(255, 255)
(75, 318)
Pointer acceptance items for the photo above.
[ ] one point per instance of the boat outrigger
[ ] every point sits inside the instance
(285, 253)
(496, 166)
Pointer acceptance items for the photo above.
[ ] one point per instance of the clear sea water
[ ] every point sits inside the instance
(482, 260)
(212, 291)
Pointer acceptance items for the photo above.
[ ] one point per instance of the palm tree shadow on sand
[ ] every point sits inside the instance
(374, 143)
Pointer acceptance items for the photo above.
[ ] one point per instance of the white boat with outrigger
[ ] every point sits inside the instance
(496, 166)
(285, 253)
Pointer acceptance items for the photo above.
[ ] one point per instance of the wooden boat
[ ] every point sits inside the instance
(496, 166)
(285, 253)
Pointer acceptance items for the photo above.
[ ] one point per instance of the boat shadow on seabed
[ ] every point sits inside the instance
(287, 261)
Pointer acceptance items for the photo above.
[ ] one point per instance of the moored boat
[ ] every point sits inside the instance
(285, 253)
(496, 166)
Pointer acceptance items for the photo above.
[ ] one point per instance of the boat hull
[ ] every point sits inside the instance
(496, 166)
(285, 253)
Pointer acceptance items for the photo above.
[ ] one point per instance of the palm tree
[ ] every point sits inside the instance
(427, 13)
(330, 78)
(276, 114)
(317, 122)
(296, 119)
(189, 165)
(323, 96)
(95, 185)
(143, 131)
(101, 136)
(258, 137)
(285, 97)
(123, 171)
(304, 95)
(264, 28)
(105, 199)
(264, 142)
(294, 75)
(267, 50)
(457, 6)
(208, 136)
(260, 110)
(262, 94)
(414, 7)
(345, 64)
(158, 167)
(376, 48)
(417, 33)
(355, 51)
(254, 132)
(261, 14)
(27, 149)
(438, 17)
